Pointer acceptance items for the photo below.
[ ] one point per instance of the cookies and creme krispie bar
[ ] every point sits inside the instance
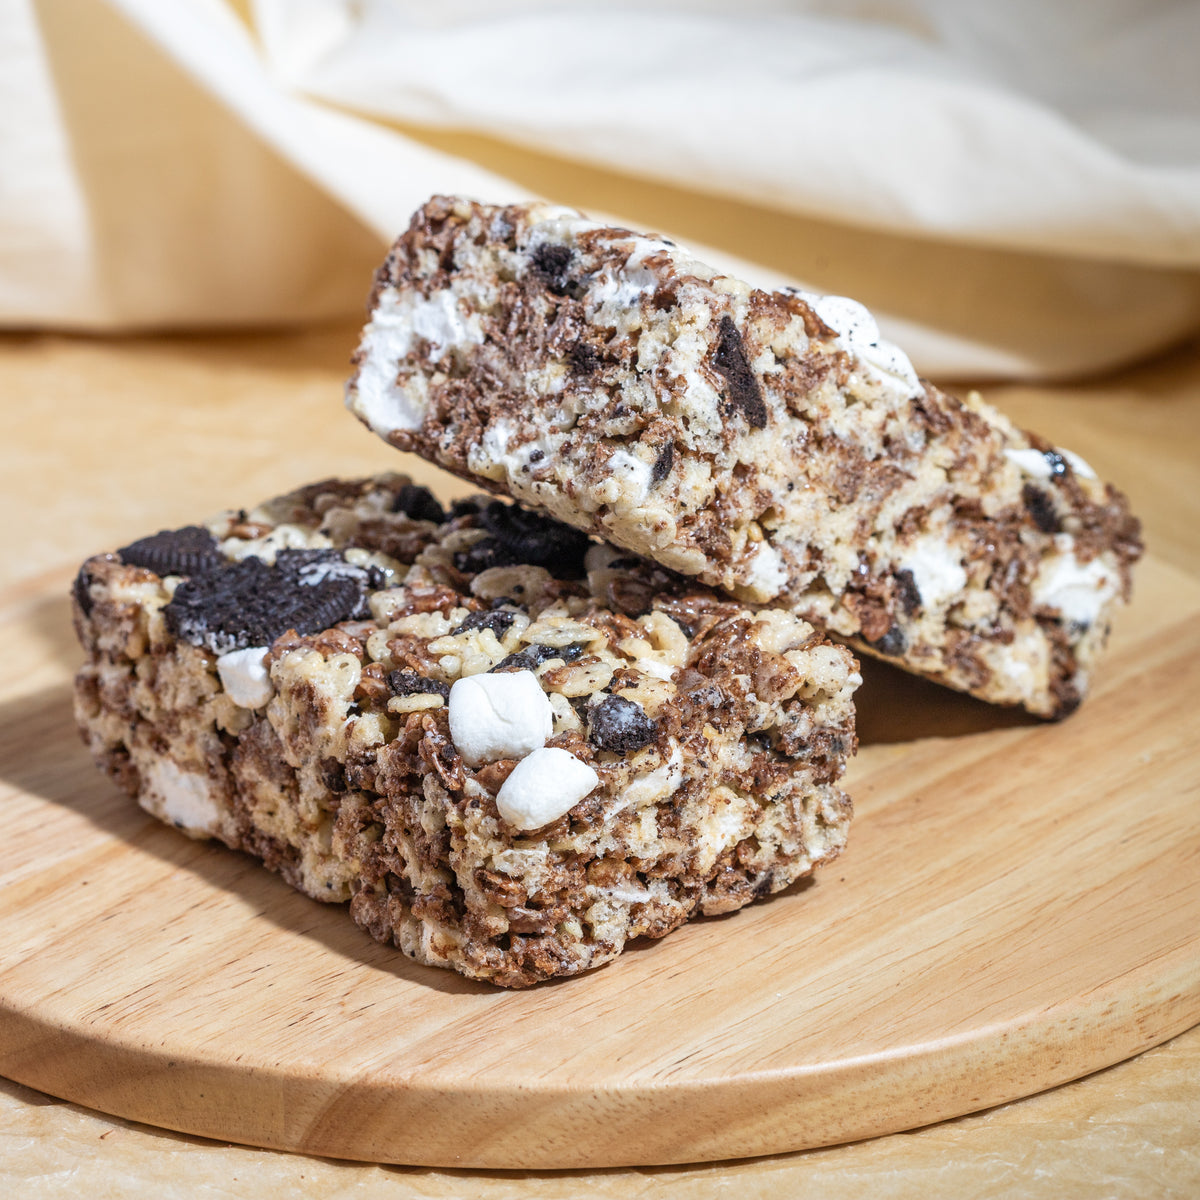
(768, 443)
(508, 748)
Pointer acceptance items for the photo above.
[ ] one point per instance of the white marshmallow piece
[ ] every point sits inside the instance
(245, 678)
(858, 334)
(1078, 464)
(1030, 462)
(936, 570)
(1078, 591)
(499, 716)
(184, 798)
(543, 786)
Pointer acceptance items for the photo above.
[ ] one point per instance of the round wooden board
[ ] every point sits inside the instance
(1019, 905)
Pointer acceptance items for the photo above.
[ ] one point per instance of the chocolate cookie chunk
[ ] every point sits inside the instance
(409, 683)
(187, 551)
(620, 725)
(498, 621)
(419, 503)
(518, 536)
(249, 603)
(744, 393)
(532, 657)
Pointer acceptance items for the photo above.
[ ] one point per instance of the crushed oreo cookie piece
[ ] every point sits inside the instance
(893, 643)
(418, 503)
(332, 774)
(81, 589)
(620, 725)
(315, 566)
(743, 391)
(498, 621)
(409, 683)
(583, 358)
(482, 556)
(907, 592)
(466, 507)
(552, 262)
(1041, 508)
(532, 657)
(249, 603)
(520, 537)
(662, 464)
(187, 551)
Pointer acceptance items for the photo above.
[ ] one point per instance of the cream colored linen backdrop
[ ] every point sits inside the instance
(1014, 187)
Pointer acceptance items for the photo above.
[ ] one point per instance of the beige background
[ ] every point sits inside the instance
(105, 439)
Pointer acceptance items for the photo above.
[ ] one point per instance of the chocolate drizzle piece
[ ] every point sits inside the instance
(187, 551)
(249, 603)
(730, 359)
(418, 503)
(620, 725)
(409, 683)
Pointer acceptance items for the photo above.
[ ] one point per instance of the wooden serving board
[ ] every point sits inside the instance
(1019, 905)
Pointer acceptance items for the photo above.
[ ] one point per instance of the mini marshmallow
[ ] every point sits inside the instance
(499, 716)
(184, 798)
(1078, 591)
(244, 676)
(543, 786)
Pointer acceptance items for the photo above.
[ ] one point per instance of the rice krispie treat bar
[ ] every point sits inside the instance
(768, 443)
(510, 749)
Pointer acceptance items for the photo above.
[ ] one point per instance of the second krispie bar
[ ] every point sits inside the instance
(510, 749)
(768, 443)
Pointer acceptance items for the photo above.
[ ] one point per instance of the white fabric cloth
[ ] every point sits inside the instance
(1014, 188)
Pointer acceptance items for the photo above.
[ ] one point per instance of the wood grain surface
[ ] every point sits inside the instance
(1019, 905)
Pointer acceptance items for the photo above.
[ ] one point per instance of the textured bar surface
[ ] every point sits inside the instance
(286, 681)
(771, 444)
